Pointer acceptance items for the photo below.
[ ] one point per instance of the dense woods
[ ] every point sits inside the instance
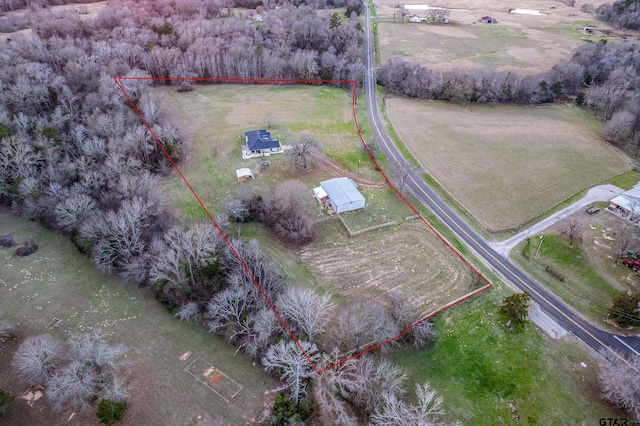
(622, 13)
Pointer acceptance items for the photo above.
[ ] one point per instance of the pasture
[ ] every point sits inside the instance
(58, 282)
(216, 116)
(407, 256)
(505, 164)
(481, 369)
(526, 44)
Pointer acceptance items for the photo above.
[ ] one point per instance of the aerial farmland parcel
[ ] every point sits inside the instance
(407, 256)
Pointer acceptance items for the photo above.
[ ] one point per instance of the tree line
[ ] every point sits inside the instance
(603, 77)
(622, 13)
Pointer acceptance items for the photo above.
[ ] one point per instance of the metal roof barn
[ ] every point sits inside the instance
(343, 194)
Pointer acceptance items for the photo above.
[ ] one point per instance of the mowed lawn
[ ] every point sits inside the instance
(506, 164)
(525, 44)
(58, 282)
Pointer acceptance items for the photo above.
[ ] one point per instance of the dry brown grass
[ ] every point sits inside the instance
(506, 164)
(523, 43)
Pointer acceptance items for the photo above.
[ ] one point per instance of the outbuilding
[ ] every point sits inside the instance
(244, 174)
(343, 194)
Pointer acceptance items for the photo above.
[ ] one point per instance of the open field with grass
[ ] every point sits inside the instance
(525, 44)
(480, 367)
(408, 256)
(506, 164)
(216, 116)
(592, 278)
(59, 282)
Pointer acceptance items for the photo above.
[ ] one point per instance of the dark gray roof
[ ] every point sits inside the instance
(342, 191)
(260, 139)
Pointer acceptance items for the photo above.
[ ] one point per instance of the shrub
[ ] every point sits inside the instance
(110, 412)
(7, 240)
(27, 248)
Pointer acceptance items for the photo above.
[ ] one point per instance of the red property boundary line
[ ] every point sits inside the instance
(354, 85)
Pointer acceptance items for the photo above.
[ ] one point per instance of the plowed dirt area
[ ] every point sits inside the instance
(407, 257)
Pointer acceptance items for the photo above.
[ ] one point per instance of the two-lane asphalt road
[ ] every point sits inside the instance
(549, 303)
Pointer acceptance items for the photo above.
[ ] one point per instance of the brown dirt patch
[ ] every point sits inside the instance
(407, 257)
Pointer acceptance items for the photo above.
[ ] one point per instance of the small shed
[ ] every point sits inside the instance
(343, 194)
(488, 20)
(415, 18)
(244, 174)
(320, 195)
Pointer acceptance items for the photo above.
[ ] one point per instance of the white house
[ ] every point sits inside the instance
(343, 194)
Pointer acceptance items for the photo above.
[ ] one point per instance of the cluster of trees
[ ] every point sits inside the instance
(622, 13)
(620, 381)
(601, 76)
(284, 209)
(74, 374)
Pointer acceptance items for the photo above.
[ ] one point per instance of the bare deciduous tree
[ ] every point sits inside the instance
(307, 310)
(573, 229)
(333, 388)
(378, 378)
(394, 411)
(287, 360)
(37, 358)
(286, 212)
(620, 381)
(301, 156)
(362, 324)
(624, 235)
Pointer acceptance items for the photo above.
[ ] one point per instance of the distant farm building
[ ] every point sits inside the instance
(341, 194)
(488, 20)
(258, 143)
(627, 204)
(244, 174)
(415, 18)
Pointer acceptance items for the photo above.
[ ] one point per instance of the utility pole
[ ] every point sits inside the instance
(358, 165)
(539, 245)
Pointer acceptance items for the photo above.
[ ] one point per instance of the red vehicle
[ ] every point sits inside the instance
(633, 264)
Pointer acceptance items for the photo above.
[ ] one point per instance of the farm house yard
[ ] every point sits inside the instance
(216, 116)
(59, 282)
(407, 256)
(522, 43)
(506, 164)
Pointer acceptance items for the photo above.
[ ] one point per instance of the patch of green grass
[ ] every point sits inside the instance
(383, 205)
(479, 367)
(59, 282)
(583, 287)
(625, 180)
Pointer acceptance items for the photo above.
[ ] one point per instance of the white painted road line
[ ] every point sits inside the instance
(619, 340)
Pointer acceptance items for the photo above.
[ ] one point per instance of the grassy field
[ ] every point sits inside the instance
(479, 367)
(217, 115)
(58, 282)
(523, 43)
(506, 165)
(592, 278)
